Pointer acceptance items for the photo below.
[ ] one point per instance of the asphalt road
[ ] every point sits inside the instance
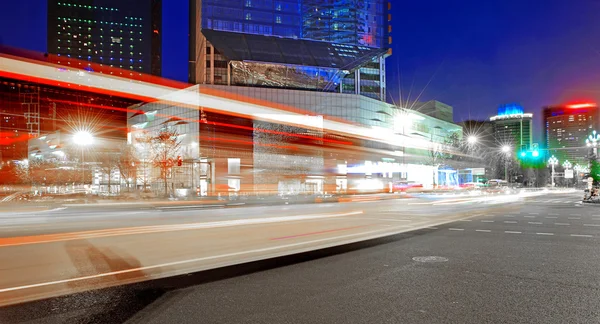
(501, 259)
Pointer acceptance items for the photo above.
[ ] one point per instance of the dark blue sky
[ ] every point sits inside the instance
(474, 54)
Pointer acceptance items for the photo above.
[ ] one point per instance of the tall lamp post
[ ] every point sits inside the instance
(506, 151)
(83, 139)
(553, 161)
(567, 165)
(592, 141)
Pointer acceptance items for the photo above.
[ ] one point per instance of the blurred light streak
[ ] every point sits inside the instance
(16, 68)
(49, 238)
(227, 140)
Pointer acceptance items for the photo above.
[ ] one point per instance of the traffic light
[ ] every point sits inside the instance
(179, 160)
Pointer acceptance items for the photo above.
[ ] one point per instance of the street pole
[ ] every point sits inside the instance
(552, 175)
(506, 169)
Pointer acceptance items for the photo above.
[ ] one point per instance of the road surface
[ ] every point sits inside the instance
(511, 259)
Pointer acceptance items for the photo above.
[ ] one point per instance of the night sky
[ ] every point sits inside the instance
(474, 54)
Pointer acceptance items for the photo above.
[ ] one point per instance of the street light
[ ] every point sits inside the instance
(472, 139)
(553, 161)
(82, 139)
(567, 165)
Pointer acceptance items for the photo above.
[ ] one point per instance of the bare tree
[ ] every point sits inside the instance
(127, 165)
(165, 148)
(109, 162)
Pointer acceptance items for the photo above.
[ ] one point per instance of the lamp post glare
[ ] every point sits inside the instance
(506, 149)
(553, 161)
(567, 165)
(83, 138)
(472, 139)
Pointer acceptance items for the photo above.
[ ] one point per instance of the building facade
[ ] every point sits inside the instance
(112, 33)
(436, 109)
(268, 44)
(566, 128)
(513, 127)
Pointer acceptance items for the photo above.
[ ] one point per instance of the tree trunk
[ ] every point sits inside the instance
(109, 184)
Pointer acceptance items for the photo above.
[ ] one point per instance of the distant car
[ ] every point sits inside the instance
(404, 186)
(471, 185)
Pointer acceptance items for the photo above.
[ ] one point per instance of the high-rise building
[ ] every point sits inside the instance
(357, 22)
(513, 127)
(113, 33)
(567, 127)
(269, 44)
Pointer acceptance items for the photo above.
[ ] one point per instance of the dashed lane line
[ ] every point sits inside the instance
(551, 217)
(544, 233)
(513, 232)
(562, 224)
(574, 217)
(591, 224)
(529, 216)
(456, 229)
(535, 223)
(510, 222)
(582, 235)
(487, 221)
(485, 231)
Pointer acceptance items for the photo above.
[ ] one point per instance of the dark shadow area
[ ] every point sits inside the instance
(120, 303)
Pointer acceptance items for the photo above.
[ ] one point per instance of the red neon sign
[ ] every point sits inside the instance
(582, 105)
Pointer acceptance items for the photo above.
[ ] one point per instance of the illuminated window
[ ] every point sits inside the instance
(248, 16)
(278, 19)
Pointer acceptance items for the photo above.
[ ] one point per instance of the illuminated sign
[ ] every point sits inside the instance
(582, 105)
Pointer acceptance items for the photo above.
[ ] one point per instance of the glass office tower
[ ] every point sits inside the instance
(355, 32)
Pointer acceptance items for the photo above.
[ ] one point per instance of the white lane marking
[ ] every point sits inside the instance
(511, 222)
(544, 233)
(562, 224)
(515, 213)
(236, 204)
(567, 202)
(591, 224)
(169, 264)
(553, 214)
(595, 218)
(575, 214)
(465, 220)
(456, 229)
(179, 227)
(535, 223)
(190, 207)
(534, 213)
(485, 231)
(391, 219)
(582, 235)
(574, 217)
(512, 232)
(487, 221)
(551, 217)
(529, 216)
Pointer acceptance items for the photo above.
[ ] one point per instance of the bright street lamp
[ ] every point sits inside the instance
(472, 139)
(567, 164)
(83, 138)
(553, 161)
(506, 149)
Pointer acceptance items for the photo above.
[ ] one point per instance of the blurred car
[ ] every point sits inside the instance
(405, 186)
(471, 185)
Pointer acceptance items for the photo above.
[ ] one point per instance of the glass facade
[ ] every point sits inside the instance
(360, 22)
(264, 17)
(356, 33)
(119, 34)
